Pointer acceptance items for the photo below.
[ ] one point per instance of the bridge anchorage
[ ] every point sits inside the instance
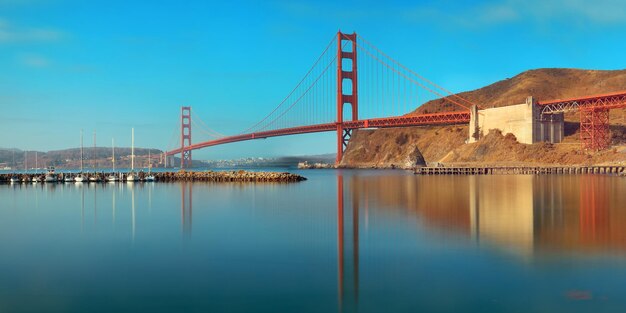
(379, 91)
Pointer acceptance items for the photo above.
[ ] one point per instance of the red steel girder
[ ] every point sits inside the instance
(604, 101)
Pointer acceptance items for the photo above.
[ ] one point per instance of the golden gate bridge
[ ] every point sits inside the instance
(378, 90)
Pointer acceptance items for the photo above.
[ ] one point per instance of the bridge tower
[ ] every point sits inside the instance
(185, 137)
(346, 72)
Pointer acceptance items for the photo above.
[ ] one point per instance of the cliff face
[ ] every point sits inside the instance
(386, 148)
(402, 147)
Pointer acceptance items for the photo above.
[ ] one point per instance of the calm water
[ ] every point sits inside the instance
(366, 241)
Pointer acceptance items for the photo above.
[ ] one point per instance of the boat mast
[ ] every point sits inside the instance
(93, 155)
(25, 161)
(149, 163)
(132, 150)
(81, 151)
(113, 148)
(36, 162)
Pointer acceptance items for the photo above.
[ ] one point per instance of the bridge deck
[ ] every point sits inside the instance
(397, 121)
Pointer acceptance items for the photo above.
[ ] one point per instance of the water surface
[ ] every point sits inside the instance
(366, 241)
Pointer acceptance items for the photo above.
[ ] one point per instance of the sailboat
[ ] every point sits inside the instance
(80, 178)
(25, 178)
(113, 177)
(150, 177)
(94, 177)
(132, 177)
(36, 178)
(14, 178)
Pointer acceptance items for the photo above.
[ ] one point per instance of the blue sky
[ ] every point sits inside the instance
(112, 65)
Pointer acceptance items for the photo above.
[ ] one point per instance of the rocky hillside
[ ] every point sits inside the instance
(395, 147)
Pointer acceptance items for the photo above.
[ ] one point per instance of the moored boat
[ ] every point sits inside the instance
(51, 177)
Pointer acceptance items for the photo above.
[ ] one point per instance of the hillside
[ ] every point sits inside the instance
(446, 144)
(543, 84)
(70, 158)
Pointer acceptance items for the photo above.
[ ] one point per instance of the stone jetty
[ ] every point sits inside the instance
(188, 176)
(229, 176)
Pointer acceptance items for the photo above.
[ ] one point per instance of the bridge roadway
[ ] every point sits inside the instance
(595, 102)
(388, 122)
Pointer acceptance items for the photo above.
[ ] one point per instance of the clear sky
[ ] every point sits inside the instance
(112, 65)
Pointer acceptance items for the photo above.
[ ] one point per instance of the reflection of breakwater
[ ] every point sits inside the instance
(208, 176)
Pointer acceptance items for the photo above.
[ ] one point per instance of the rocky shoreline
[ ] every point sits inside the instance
(187, 176)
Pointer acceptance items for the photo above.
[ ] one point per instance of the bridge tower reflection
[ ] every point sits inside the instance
(186, 207)
(594, 223)
(347, 250)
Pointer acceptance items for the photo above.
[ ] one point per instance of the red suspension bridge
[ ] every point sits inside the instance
(378, 90)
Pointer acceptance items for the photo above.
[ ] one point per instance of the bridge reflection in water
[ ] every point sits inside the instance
(519, 213)
(522, 215)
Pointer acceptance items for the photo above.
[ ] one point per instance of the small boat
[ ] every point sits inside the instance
(79, 178)
(132, 177)
(51, 177)
(68, 178)
(94, 178)
(36, 179)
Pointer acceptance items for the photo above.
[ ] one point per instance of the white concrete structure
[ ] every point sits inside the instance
(524, 121)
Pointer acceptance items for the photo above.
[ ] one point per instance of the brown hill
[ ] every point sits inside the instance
(543, 84)
(382, 148)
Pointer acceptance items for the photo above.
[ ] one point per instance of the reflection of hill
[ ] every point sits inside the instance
(519, 213)
(442, 201)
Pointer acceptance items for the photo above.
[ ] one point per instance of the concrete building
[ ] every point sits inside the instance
(524, 121)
